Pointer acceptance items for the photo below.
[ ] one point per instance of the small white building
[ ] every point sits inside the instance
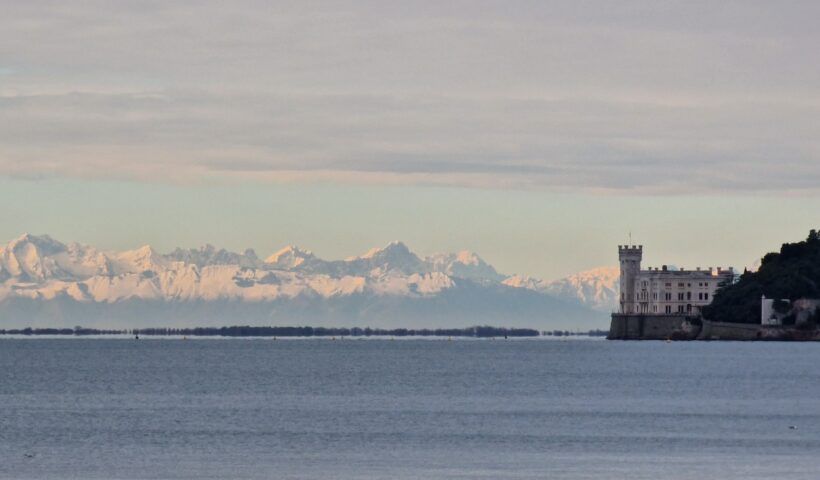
(663, 291)
(767, 314)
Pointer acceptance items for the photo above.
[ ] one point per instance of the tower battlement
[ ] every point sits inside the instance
(633, 253)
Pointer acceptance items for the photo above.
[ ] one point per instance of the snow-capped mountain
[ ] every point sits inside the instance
(465, 264)
(597, 288)
(395, 257)
(290, 257)
(46, 282)
(209, 255)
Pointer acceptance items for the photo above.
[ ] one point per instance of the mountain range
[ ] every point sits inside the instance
(44, 282)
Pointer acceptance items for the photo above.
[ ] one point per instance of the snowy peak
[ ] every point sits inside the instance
(464, 264)
(142, 259)
(289, 258)
(44, 244)
(395, 256)
(83, 261)
(393, 251)
(27, 258)
(394, 248)
(605, 275)
(466, 257)
(523, 281)
(597, 288)
(210, 255)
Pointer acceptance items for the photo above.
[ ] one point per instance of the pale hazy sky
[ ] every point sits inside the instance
(537, 133)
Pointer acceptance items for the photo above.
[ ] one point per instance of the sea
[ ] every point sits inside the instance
(345, 408)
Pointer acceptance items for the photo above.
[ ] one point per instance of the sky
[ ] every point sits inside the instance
(538, 134)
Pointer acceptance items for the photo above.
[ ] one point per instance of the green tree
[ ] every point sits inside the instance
(792, 273)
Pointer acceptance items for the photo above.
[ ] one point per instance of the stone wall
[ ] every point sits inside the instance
(681, 327)
(652, 327)
(732, 331)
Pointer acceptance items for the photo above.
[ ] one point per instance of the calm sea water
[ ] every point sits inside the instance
(160, 408)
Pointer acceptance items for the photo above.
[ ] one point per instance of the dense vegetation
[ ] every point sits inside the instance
(61, 331)
(245, 331)
(793, 273)
(567, 333)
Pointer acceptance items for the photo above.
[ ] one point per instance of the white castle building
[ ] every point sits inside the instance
(663, 291)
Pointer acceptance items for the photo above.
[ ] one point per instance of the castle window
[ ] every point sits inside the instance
(689, 295)
(669, 309)
(706, 296)
(680, 296)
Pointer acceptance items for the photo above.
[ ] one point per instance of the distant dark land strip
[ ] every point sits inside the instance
(247, 331)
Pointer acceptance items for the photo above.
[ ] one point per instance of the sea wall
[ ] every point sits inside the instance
(653, 327)
(736, 331)
(681, 327)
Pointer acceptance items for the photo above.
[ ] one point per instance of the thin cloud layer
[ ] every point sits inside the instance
(639, 96)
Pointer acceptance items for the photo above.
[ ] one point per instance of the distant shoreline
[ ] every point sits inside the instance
(306, 332)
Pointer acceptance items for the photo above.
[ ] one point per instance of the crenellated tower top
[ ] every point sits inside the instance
(627, 249)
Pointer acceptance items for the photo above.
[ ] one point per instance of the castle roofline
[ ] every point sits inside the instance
(681, 270)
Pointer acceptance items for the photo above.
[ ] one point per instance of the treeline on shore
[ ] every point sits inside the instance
(248, 331)
(791, 274)
(567, 333)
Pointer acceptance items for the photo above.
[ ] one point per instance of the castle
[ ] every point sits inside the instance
(664, 291)
(665, 304)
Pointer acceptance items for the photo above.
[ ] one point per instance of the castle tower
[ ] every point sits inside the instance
(630, 258)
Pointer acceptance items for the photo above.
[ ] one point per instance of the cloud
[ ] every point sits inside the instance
(635, 97)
